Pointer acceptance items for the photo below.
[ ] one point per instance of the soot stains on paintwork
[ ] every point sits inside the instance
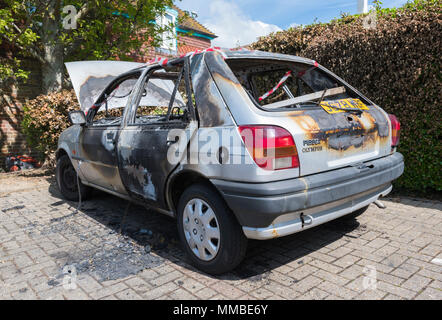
(342, 131)
(92, 88)
(218, 66)
(209, 104)
(143, 177)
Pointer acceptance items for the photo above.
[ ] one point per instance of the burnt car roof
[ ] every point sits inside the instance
(256, 54)
(236, 54)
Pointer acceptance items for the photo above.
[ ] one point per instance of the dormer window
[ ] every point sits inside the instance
(168, 43)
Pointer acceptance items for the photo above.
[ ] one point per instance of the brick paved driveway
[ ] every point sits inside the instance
(49, 252)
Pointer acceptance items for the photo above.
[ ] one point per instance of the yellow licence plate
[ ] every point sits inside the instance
(343, 104)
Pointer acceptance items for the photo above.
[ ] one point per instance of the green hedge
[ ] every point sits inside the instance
(396, 64)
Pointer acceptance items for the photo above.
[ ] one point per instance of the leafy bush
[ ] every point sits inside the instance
(45, 117)
(396, 64)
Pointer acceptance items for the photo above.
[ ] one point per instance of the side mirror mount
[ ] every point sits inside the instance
(77, 117)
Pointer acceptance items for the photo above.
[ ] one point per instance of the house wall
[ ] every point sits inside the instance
(189, 43)
(12, 97)
(185, 44)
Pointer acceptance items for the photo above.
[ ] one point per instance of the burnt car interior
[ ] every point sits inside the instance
(276, 84)
(164, 98)
(170, 97)
(109, 107)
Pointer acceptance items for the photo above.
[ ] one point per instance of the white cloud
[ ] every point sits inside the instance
(233, 27)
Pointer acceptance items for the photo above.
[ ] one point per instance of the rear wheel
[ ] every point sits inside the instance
(67, 180)
(211, 236)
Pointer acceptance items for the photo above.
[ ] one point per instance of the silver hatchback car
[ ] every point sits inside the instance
(236, 145)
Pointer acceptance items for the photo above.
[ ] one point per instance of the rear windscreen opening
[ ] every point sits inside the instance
(279, 84)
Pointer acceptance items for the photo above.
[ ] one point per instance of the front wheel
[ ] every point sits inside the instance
(212, 238)
(67, 180)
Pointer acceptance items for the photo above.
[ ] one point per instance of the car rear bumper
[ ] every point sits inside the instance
(260, 206)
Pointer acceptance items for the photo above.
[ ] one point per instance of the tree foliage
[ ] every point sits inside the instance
(105, 29)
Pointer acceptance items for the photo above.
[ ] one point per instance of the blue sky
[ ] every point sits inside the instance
(241, 21)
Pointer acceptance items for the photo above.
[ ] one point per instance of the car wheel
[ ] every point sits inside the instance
(67, 180)
(211, 236)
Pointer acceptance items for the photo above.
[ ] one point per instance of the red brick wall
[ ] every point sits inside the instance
(12, 97)
(185, 44)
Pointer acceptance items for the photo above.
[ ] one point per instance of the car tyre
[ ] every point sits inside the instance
(211, 235)
(66, 177)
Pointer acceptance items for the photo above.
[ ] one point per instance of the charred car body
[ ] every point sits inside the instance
(290, 146)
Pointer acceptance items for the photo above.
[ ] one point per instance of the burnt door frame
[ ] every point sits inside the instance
(142, 147)
(100, 165)
(98, 143)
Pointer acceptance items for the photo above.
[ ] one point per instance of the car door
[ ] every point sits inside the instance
(99, 137)
(143, 145)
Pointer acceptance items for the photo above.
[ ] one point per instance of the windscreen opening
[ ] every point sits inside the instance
(277, 85)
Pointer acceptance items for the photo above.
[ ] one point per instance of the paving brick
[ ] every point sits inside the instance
(289, 292)
(398, 291)
(189, 284)
(430, 294)
(394, 260)
(405, 270)
(346, 261)
(227, 290)
(206, 293)
(128, 294)
(261, 294)
(371, 295)
(307, 283)
(314, 294)
(75, 294)
(88, 283)
(302, 272)
(416, 283)
(336, 290)
(392, 297)
(165, 278)
(106, 291)
(327, 276)
(340, 252)
(352, 272)
(377, 243)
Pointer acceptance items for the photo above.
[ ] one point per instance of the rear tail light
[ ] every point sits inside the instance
(395, 130)
(271, 147)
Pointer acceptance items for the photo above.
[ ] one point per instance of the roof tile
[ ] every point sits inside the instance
(190, 23)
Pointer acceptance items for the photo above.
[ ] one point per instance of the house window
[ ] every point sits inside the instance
(168, 43)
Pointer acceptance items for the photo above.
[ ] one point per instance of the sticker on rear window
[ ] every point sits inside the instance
(343, 104)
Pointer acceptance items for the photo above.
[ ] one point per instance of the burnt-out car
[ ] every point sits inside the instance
(236, 145)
